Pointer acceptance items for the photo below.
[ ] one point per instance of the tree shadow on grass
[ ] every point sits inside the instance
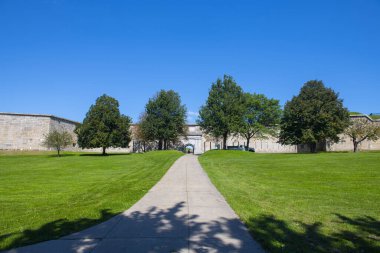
(61, 155)
(55, 155)
(110, 154)
(152, 229)
(171, 229)
(52, 230)
(361, 234)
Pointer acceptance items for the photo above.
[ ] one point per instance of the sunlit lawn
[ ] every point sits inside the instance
(44, 197)
(328, 202)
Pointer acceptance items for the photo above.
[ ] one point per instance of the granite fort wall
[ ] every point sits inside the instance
(27, 131)
(267, 145)
(345, 143)
(64, 125)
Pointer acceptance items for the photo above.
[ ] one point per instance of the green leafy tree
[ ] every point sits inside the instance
(164, 119)
(222, 113)
(104, 126)
(141, 140)
(317, 114)
(261, 116)
(58, 140)
(362, 129)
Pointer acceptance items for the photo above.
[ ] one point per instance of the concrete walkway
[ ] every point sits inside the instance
(183, 212)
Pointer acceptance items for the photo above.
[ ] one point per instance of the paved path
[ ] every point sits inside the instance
(183, 212)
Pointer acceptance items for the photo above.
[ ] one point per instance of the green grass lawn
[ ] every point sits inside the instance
(44, 197)
(327, 202)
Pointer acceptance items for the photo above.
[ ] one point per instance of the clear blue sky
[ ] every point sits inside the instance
(58, 56)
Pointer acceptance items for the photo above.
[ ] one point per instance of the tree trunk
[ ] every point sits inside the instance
(144, 146)
(355, 146)
(104, 151)
(248, 143)
(165, 144)
(225, 141)
(160, 145)
(313, 147)
(58, 150)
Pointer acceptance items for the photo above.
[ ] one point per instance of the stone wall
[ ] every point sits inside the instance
(267, 145)
(60, 124)
(345, 142)
(27, 131)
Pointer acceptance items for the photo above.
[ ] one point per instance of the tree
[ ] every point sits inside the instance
(317, 114)
(104, 126)
(141, 140)
(261, 116)
(362, 129)
(164, 119)
(58, 140)
(222, 113)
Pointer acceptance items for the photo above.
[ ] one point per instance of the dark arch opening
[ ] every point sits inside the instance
(188, 148)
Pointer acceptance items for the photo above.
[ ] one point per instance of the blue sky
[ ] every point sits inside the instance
(57, 57)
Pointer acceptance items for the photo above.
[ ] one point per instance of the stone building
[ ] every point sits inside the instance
(267, 145)
(27, 131)
(199, 143)
(345, 143)
(193, 140)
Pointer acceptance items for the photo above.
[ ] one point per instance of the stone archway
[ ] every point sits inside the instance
(189, 148)
(195, 142)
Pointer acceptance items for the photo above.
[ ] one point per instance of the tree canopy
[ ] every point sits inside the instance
(104, 126)
(261, 116)
(164, 119)
(222, 113)
(317, 114)
(362, 129)
(58, 140)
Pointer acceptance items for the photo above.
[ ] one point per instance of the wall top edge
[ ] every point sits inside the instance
(135, 124)
(39, 115)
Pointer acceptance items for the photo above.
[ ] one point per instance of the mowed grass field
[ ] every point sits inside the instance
(327, 202)
(44, 197)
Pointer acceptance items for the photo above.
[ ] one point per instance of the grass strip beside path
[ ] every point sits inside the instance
(327, 202)
(43, 197)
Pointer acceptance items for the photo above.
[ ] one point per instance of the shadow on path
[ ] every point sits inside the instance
(154, 230)
(173, 230)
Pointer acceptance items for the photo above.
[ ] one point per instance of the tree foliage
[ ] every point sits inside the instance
(261, 116)
(141, 141)
(58, 140)
(164, 119)
(315, 115)
(104, 126)
(362, 129)
(222, 113)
